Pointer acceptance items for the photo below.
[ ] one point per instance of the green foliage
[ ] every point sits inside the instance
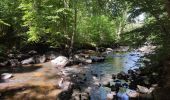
(62, 22)
(98, 30)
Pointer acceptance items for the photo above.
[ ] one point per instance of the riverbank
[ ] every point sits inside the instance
(79, 80)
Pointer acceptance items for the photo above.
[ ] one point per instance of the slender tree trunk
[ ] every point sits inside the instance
(74, 30)
(122, 23)
(119, 30)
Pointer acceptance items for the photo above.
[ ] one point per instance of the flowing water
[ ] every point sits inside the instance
(44, 78)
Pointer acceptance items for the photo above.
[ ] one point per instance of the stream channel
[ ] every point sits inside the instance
(39, 81)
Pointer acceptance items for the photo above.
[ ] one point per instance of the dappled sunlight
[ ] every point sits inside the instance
(84, 50)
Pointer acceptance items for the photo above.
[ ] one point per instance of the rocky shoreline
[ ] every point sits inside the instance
(135, 84)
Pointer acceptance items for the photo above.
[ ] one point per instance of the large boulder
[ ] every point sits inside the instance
(60, 61)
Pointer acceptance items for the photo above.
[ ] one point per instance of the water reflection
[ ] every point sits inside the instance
(118, 61)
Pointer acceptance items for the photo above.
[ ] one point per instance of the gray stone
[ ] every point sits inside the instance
(6, 76)
(60, 61)
(28, 61)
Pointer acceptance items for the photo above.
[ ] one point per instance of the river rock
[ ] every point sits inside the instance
(132, 93)
(117, 85)
(28, 61)
(76, 95)
(122, 75)
(113, 76)
(78, 58)
(32, 52)
(6, 76)
(60, 61)
(51, 55)
(109, 49)
(142, 89)
(85, 96)
(40, 59)
(88, 61)
(110, 96)
(130, 72)
(11, 56)
(13, 62)
(3, 64)
(97, 59)
(22, 56)
(64, 84)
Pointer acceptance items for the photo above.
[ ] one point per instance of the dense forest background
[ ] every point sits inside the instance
(71, 24)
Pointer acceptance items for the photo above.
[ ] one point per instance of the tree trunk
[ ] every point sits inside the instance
(119, 30)
(167, 3)
(74, 30)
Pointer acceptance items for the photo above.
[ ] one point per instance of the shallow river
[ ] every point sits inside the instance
(47, 75)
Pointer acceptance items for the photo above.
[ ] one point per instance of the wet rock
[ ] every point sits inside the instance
(138, 71)
(94, 73)
(109, 49)
(64, 85)
(85, 96)
(142, 89)
(40, 59)
(32, 52)
(78, 58)
(132, 54)
(60, 61)
(6, 76)
(145, 90)
(106, 83)
(22, 56)
(89, 61)
(11, 56)
(130, 72)
(146, 80)
(76, 95)
(28, 61)
(97, 59)
(132, 93)
(125, 85)
(117, 85)
(13, 62)
(122, 75)
(51, 55)
(101, 49)
(111, 95)
(3, 64)
(113, 76)
(133, 85)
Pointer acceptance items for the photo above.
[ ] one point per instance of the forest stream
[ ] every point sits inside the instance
(40, 81)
